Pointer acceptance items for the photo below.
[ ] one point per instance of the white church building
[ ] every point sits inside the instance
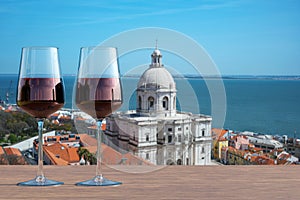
(156, 131)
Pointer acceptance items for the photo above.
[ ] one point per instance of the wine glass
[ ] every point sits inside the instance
(98, 93)
(40, 93)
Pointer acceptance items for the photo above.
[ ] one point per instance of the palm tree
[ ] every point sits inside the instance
(89, 157)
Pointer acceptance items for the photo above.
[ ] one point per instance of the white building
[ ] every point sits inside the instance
(156, 130)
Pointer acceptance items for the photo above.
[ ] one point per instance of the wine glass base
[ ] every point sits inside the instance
(98, 181)
(40, 181)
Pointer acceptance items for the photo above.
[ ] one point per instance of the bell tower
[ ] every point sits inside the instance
(156, 90)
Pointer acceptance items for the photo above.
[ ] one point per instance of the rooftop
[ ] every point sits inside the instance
(172, 182)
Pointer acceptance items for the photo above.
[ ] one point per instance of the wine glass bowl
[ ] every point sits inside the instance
(40, 97)
(98, 93)
(40, 93)
(98, 97)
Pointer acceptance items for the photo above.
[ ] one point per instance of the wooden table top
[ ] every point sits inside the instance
(148, 182)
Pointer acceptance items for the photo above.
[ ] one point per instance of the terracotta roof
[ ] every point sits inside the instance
(1, 150)
(283, 158)
(73, 155)
(12, 151)
(256, 149)
(263, 160)
(61, 151)
(54, 159)
(87, 140)
(109, 155)
(103, 126)
(66, 117)
(219, 133)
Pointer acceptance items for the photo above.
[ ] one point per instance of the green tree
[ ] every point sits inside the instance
(12, 138)
(87, 156)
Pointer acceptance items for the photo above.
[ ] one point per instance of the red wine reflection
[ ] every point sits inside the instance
(98, 97)
(40, 97)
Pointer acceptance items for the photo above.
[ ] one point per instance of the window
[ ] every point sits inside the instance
(170, 138)
(187, 128)
(170, 129)
(179, 138)
(202, 150)
(174, 103)
(147, 156)
(150, 102)
(147, 138)
(203, 132)
(165, 103)
(179, 162)
(179, 128)
(140, 102)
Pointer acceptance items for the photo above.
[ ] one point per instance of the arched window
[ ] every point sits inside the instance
(165, 103)
(179, 162)
(150, 103)
(140, 102)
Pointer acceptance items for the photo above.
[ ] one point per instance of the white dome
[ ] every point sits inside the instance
(156, 77)
(156, 52)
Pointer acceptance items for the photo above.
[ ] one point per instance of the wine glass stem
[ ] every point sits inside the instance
(99, 156)
(40, 172)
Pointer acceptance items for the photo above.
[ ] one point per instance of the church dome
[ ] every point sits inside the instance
(156, 76)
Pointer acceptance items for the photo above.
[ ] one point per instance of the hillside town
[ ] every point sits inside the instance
(155, 133)
(248, 148)
(67, 148)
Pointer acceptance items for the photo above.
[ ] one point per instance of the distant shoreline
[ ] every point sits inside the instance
(231, 77)
(196, 76)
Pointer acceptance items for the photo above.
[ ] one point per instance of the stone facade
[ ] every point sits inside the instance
(156, 131)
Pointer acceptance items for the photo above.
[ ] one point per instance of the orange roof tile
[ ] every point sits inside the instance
(87, 140)
(1, 150)
(219, 133)
(12, 151)
(65, 117)
(54, 159)
(68, 154)
(73, 155)
(103, 126)
(109, 155)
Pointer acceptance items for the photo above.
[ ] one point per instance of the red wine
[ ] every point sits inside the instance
(98, 97)
(40, 97)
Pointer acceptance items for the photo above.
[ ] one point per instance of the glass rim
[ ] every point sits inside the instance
(40, 47)
(98, 47)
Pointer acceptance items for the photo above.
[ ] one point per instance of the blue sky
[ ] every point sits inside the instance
(242, 37)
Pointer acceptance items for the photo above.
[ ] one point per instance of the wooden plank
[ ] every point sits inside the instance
(172, 182)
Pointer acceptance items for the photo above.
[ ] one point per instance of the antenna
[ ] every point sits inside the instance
(156, 43)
